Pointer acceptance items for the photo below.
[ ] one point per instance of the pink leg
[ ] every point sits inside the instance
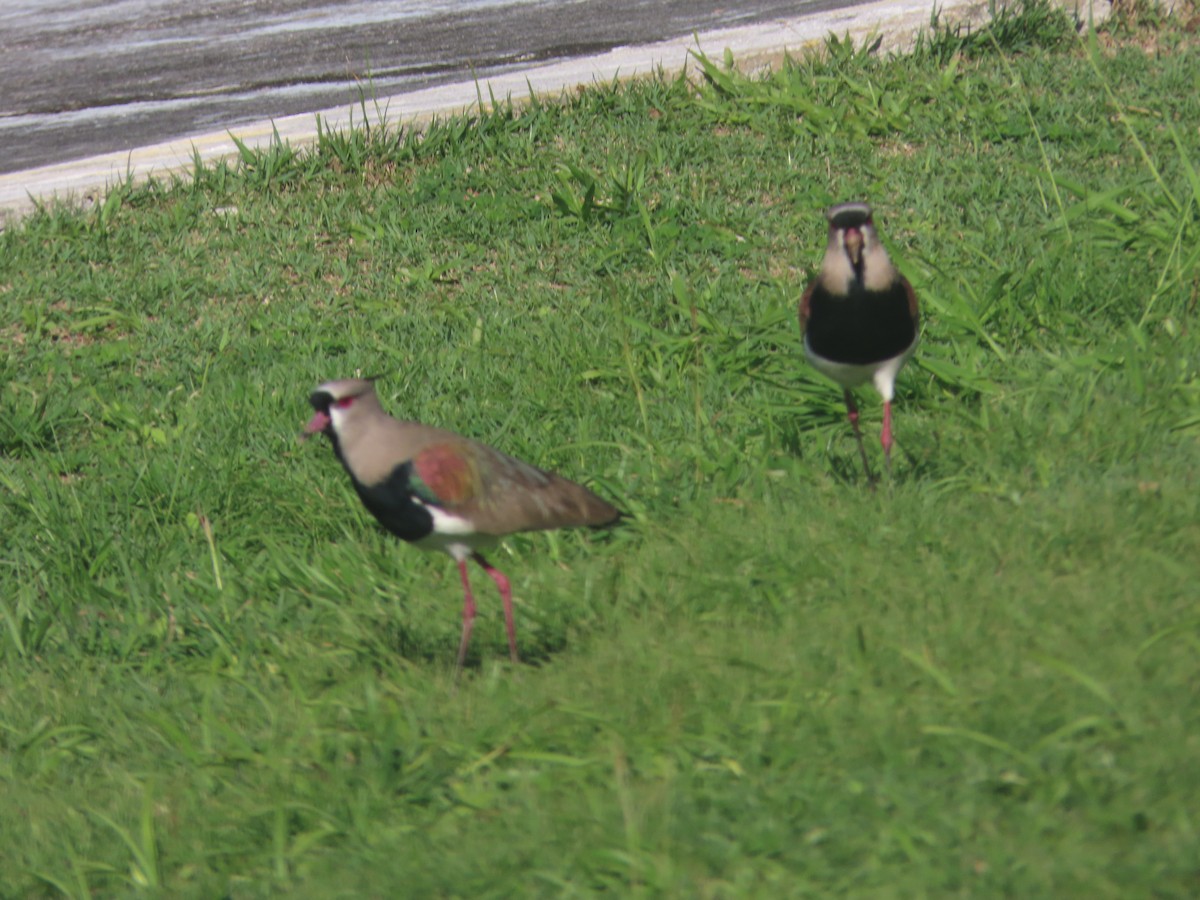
(505, 595)
(885, 437)
(468, 616)
(852, 412)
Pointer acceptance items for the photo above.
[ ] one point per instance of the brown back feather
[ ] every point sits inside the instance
(519, 497)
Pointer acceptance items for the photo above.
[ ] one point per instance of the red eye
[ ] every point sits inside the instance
(344, 402)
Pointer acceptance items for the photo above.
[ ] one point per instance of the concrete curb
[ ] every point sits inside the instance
(896, 22)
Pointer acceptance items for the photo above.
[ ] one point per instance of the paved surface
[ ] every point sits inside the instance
(896, 21)
(82, 77)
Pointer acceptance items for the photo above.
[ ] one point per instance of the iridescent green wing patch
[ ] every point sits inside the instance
(445, 475)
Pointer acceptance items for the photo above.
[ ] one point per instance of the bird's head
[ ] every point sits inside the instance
(337, 403)
(850, 226)
(855, 253)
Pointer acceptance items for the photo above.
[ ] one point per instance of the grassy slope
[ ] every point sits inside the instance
(218, 676)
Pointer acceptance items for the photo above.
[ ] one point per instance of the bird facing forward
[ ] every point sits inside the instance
(441, 491)
(859, 316)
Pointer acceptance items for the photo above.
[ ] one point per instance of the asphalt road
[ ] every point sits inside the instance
(80, 78)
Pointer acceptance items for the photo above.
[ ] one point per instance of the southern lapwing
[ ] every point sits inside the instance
(859, 316)
(441, 491)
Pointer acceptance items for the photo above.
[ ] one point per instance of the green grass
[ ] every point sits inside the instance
(219, 678)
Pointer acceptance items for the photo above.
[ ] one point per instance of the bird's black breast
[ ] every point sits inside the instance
(862, 327)
(393, 502)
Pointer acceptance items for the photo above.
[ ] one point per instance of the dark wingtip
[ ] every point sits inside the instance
(613, 520)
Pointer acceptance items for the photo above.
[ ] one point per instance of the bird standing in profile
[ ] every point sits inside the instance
(441, 491)
(859, 316)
